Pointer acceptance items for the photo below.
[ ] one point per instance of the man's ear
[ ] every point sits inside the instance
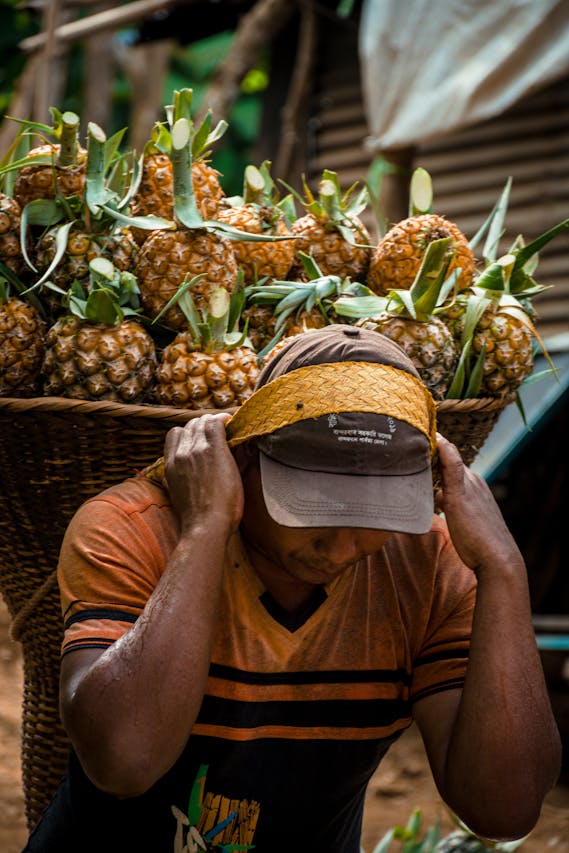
(245, 455)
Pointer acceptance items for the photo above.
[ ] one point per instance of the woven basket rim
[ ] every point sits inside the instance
(169, 413)
(66, 405)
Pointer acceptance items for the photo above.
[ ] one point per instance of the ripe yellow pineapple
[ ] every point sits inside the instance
(100, 350)
(409, 318)
(195, 249)
(207, 366)
(258, 212)
(22, 331)
(398, 255)
(331, 230)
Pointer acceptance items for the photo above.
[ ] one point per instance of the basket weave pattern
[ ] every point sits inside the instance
(54, 454)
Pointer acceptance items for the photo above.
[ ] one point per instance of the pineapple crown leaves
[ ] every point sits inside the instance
(260, 191)
(216, 328)
(185, 206)
(332, 206)
(519, 278)
(109, 298)
(289, 297)
(9, 283)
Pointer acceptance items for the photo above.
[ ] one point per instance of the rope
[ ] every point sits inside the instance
(26, 611)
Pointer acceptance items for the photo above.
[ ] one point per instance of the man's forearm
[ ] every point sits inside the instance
(504, 751)
(132, 712)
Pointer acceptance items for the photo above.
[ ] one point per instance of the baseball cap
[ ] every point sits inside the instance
(350, 468)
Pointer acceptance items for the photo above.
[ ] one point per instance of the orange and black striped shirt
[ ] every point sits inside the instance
(296, 716)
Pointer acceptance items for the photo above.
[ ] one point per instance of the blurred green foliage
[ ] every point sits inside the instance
(15, 25)
(191, 66)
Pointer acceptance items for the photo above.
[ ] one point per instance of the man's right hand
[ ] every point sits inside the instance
(202, 476)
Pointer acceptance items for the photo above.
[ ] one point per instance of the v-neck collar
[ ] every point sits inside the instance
(293, 621)
(270, 606)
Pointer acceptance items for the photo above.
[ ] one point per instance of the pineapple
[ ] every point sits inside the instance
(284, 308)
(192, 248)
(493, 321)
(409, 318)
(22, 331)
(331, 230)
(208, 366)
(53, 168)
(155, 193)
(99, 350)
(397, 257)
(257, 211)
(10, 251)
(65, 250)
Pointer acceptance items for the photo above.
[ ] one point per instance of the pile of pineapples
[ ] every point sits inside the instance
(136, 279)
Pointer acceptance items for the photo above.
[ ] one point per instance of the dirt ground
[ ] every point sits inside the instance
(402, 784)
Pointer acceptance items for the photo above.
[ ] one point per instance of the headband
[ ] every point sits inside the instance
(323, 389)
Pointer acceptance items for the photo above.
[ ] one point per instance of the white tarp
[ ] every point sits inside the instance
(433, 66)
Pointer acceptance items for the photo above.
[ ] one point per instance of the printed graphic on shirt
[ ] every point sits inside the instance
(214, 822)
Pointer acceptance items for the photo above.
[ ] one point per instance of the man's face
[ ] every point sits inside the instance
(309, 555)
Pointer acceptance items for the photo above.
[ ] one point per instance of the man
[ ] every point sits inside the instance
(245, 640)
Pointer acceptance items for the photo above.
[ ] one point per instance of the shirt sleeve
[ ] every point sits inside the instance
(113, 554)
(442, 658)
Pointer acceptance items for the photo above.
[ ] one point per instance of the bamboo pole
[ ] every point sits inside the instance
(109, 19)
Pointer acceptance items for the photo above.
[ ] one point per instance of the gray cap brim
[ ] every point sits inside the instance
(298, 498)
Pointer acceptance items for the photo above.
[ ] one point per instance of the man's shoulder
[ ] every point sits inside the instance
(133, 495)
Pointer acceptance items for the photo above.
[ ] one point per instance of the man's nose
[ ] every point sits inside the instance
(340, 545)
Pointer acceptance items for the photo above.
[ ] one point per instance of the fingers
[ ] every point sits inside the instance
(451, 465)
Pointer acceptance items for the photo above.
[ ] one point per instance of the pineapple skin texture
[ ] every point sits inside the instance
(430, 345)
(167, 258)
(259, 259)
(189, 378)
(35, 182)
(22, 349)
(398, 255)
(10, 251)
(94, 361)
(509, 349)
(333, 254)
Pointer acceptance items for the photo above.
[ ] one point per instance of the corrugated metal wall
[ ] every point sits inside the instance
(530, 142)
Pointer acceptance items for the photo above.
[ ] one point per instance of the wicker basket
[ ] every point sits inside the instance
(54, 454)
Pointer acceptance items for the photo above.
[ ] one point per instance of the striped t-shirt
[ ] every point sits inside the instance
(296, 715)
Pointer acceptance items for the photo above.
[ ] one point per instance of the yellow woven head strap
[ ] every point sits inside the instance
(323, 389)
